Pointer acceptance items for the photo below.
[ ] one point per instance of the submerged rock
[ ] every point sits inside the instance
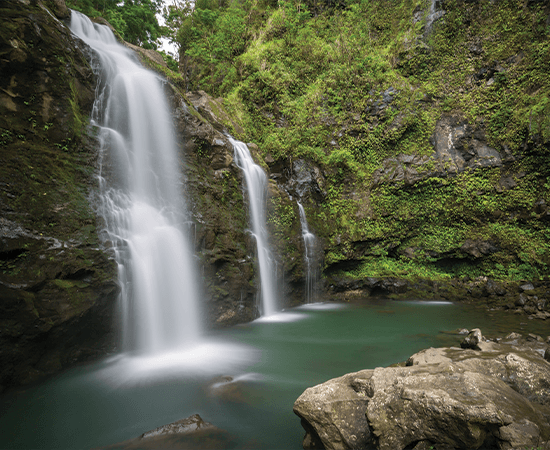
(191, 433)
(183, 426)
(447, 398)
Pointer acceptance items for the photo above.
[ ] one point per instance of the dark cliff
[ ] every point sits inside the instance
(57, 287)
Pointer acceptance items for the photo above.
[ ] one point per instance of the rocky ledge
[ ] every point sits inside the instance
(486, 394)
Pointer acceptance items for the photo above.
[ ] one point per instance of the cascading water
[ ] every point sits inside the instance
(141, 199)
(309, 256)
(256, 186)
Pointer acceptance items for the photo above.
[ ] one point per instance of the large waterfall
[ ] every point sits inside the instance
(141, 198)
(256, 186)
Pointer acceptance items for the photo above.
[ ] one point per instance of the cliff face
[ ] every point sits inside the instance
(415, 185)
(57, 287)
(423, 129)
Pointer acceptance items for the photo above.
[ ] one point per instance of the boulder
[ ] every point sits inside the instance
(473, 339)
(444, 398)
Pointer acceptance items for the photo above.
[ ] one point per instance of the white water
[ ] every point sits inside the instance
(141, 198)
(309, 256)
(256, 186)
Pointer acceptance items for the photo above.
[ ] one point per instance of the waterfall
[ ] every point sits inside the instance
(309, 256)
(141, 198)
(256, 186)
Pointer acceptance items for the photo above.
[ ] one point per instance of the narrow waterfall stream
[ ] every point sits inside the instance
(141, 198)
(256, 187)
(309, 256)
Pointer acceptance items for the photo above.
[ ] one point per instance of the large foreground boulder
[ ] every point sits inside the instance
(448, 398)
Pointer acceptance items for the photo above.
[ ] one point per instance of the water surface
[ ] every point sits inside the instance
(272, 361)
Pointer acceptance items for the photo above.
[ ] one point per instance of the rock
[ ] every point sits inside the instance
(146, 55)
(522, 300)
(547, 354)
(457, 146)
(57, 284)
(429, 356)
(59, 8)
(334, 414)
(534, 337)
(183, 426)
(522, 434)
(213, 111)
(478, 248)
(191, 433)
(513, 336)
(473, 339)
(527, 287)
(446, 398)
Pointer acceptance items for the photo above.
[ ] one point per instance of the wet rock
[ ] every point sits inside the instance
(146, 55)
(57, 285)
(183, 426)
(473, 339)
(59, 8)
(534, 337)
(213, 111)
(513, 336)
(214, 188)
(187, 434)
(522, 300)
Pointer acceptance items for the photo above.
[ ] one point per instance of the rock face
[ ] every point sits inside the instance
(457, 147)
(57, 287)
(482, 291)
(443, 398)
(217, 199)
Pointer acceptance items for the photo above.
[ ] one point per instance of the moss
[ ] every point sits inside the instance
(63, 284)
(350, 89)
(78, 120)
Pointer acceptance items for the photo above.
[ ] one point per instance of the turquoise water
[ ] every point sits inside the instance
(270, 361)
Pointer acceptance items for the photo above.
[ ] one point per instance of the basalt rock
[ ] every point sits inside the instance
(442, 398)
(457, 146)
(218, 204)
(214, 189)
(482, 291)
(57, 286)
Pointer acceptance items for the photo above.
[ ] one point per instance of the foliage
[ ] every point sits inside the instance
(134, 20)
(350, 85)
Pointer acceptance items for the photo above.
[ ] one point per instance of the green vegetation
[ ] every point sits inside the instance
(348, 85)
(134, 20)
